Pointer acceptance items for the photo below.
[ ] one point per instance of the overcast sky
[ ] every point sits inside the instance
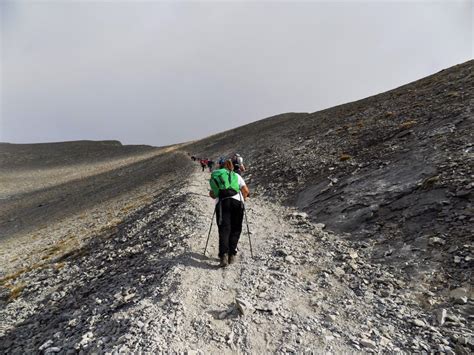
(165, 72)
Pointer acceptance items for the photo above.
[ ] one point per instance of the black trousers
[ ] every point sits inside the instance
(230, 225)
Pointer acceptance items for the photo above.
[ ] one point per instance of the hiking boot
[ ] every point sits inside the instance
(223, 262)
(232, 259)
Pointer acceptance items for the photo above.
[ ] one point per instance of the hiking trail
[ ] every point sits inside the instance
(288, 298)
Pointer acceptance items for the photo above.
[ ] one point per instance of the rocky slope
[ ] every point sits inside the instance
(394, 169)
(82, 188)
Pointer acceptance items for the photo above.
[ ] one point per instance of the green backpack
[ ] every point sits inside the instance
(224, 183)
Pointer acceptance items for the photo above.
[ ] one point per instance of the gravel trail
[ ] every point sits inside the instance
(256, 305)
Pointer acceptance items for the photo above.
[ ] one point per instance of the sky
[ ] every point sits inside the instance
(157, 72)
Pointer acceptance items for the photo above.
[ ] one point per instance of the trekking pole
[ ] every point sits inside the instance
(210, 228)
(248, 230)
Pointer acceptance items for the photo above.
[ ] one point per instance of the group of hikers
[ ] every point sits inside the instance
(230, 191)
(236, 159)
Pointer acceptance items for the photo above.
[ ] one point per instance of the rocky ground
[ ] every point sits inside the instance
(145, 285)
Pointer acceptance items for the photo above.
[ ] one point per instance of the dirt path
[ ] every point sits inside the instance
(277, 290)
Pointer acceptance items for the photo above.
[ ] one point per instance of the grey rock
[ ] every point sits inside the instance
(441, 316)
(4, 293)
(460, 300)
(452, 318)
(339, 271)
(459, 294)
(367, 343)
(244, 306)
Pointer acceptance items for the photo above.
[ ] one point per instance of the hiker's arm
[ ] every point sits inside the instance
(245, 191)
(211, 194)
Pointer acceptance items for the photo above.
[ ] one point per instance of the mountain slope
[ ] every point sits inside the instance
(394, 169)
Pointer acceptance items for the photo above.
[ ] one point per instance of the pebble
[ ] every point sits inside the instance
(367, 343)
(244, 306)
(45, 345)
(419, 323)
(339, 271)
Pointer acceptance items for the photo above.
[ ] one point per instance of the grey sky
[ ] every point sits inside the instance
(164, 72)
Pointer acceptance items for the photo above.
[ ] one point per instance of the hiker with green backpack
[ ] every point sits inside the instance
(230, 191)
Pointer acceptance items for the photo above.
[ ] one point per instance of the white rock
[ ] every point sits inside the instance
(384, 341)
(290, 259)
(46, 345)
(419, 323)
(329, 338)
(300, 215)
(353, 254)
(436, 241)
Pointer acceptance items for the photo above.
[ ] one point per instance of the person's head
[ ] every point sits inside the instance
(228, 165)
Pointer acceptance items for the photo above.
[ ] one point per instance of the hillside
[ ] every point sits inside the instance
(360, 219)
(79, 189)
(393, 170)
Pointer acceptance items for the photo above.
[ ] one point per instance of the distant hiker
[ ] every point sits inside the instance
(210, 164)
(238, 162)
(230, 192)
(203, 163)
(220, 163)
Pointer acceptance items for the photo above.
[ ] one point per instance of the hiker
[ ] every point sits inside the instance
(220, 163)
(238, 162)
(210, 165)
(230, 191)
(203, 163)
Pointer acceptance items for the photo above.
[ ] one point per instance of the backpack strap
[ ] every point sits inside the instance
(216, 182)
(222, 180)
